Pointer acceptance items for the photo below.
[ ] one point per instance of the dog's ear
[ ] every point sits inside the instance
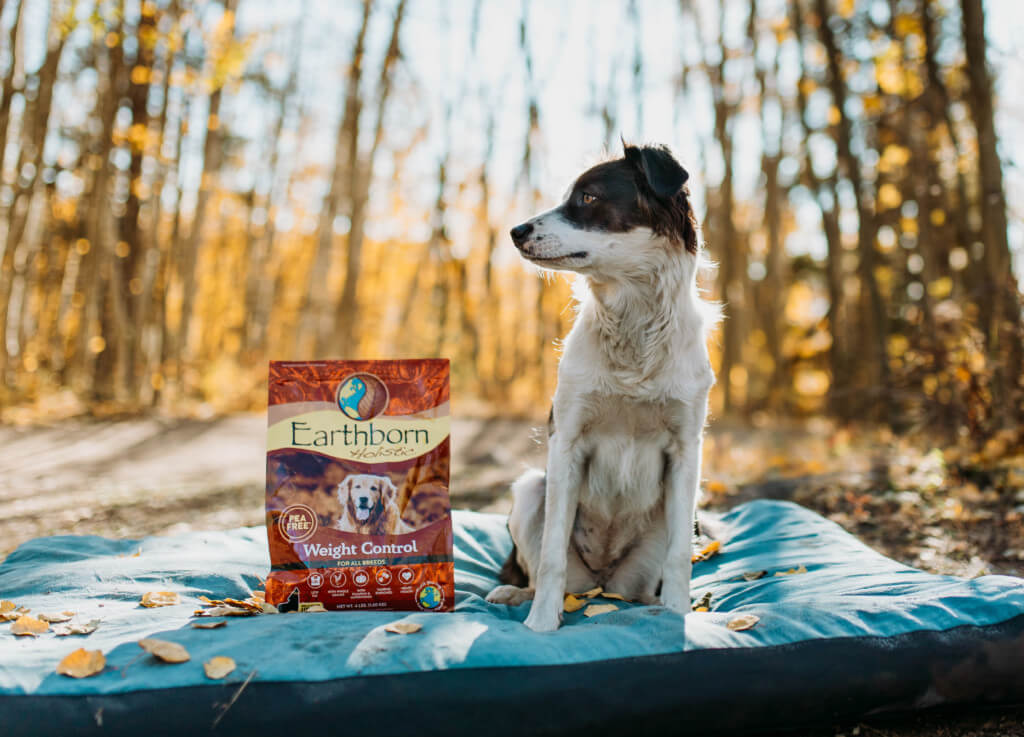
(390, 490)
(663, 174)
(344, 489)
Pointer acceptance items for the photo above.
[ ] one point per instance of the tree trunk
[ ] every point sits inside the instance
(1003, 311)
(360, 179)
(315, 312)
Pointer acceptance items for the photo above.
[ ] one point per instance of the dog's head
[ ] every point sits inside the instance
(365, 496)
(613, 211)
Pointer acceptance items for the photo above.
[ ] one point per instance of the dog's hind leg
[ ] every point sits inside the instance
(526, 525)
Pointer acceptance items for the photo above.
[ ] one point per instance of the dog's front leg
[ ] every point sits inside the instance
(560, 501)
(682, 483)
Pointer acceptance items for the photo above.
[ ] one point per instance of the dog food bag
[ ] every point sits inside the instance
(358, 513)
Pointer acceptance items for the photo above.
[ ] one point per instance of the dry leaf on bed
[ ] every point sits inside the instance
(792, 571)
(225, 611)
(55, 618)
(754, 575)
(29, 626)
(704, 604)
(617, 597)
(153, 599)
(710, 549)
(209, 625)
(218, 667)
(594, 609)
(168, 652)
(743, 622)
(76, 628)
(82, 663)
(403, 628)
(7, 606)
(591, 594)
(572, 604)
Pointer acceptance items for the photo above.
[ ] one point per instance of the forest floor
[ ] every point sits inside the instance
(950, 512)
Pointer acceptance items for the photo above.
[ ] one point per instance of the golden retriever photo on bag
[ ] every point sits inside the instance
(370, 506)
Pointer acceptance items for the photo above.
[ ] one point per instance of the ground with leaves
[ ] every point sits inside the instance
(947, 510)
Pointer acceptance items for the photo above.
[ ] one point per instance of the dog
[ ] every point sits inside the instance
(370, 506)
(615, 506)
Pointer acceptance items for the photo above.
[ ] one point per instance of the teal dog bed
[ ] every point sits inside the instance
(855, 634)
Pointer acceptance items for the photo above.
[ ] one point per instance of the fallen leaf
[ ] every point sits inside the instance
(259, 596)
(314, 607)
(76, 628)
(70, 614)
(592, 593)
(218, 666)
(709, 550)
(270, 609)
(704, 604)
(743, 622)
(225, 611)
(7, 606)
(153, 599)
(594, 609)
(792, 571)
(209, 625)
(169, 652)
(255, 606)
(55, 618)
(572, 604)
(30, 626)
(403, 628)
(754, 575)
(82, 663)
(617, 597)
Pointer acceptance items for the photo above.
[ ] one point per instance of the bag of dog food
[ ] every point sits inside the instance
(358, 513)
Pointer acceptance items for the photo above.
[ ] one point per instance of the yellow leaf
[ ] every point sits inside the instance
(30, 626)
(594, 609)
(154, 599)
(709, 550)
(403, 628)
(592, 593)
(55, 618)
(82, 663)
(218, 667)
(743, 622)
(168, 652)
(941, 287)
(7, 606)
(889, 196)
(572, 604)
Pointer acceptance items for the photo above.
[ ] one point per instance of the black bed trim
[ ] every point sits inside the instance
(703, 692)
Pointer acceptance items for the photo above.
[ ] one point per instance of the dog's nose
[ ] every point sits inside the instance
(520, 233)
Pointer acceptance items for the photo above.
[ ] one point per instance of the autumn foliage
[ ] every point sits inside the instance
(164, 233)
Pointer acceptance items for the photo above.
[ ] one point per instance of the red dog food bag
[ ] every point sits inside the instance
(358, 513)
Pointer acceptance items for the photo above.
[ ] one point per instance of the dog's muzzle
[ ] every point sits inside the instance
(362, 509)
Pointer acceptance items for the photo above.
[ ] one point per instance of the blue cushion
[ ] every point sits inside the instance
(857, 632)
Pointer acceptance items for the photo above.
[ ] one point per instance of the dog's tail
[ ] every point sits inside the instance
(511, 572)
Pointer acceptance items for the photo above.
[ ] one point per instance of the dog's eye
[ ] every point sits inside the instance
(373, 488)
(587, 198)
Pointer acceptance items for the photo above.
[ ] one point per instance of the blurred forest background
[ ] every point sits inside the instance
(189, 189)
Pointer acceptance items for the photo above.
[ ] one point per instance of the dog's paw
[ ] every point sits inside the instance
(676, 598)
(543, 621)
(509, 595)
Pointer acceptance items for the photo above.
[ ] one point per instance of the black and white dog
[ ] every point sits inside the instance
(616, 505)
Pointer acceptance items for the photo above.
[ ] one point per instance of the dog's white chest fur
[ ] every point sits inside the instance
(626, 446)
